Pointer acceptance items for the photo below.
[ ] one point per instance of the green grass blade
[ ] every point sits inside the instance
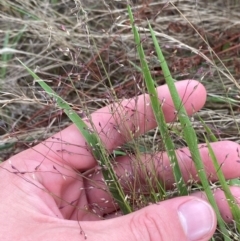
(92, 139)
(4, 57)
(7, 56)
(188, 133)
(209, 132)
(224, 186)
(158, 112)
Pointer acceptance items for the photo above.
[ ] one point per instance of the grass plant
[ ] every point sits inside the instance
(80, 57)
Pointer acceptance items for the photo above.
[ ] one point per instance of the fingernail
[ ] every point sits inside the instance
(197, 218)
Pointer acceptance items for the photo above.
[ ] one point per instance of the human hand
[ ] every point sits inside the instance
(45, 194)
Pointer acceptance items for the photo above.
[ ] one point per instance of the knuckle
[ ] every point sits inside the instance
(149, 226)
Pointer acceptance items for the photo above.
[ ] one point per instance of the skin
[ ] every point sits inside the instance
(45, 194)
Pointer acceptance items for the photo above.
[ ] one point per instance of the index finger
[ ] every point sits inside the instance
(116, 124)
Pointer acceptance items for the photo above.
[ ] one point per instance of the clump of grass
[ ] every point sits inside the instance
(87, 54)
(107, 168)
(188, 132)
(94, 142)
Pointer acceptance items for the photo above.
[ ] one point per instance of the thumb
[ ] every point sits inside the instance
(183, 218)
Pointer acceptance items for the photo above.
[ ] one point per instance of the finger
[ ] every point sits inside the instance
(226, 152)
(135, 175)
(116, 124)
(189, 217)
(222, 201)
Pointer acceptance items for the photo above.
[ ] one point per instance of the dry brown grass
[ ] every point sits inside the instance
(84, 49)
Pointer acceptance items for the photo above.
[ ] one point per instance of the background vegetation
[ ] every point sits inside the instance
(85, 50)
